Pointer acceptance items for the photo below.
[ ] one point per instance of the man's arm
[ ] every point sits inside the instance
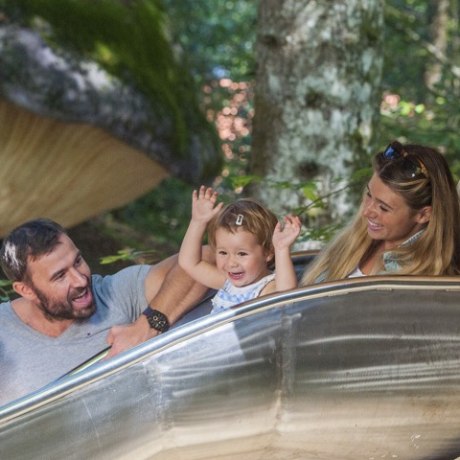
(171, 291)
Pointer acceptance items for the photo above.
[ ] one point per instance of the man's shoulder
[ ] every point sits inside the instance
(123, 281)
(126, 275)
(5, 308)
(131, 272)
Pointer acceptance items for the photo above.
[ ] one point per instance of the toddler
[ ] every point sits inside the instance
(246, 237)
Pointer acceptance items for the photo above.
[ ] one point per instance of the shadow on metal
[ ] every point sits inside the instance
(363, 369)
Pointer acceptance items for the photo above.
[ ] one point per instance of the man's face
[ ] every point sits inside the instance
(61, 282)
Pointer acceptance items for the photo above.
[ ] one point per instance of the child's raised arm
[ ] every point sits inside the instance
(284, 235)
(204, 208)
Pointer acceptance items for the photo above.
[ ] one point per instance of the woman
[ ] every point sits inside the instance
(408, 222)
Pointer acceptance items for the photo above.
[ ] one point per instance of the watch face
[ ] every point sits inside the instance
(157, 320)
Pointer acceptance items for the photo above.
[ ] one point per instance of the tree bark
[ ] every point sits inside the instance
(439, 34)
(317, 94)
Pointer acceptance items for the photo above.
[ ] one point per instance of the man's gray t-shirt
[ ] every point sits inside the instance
(30, 360)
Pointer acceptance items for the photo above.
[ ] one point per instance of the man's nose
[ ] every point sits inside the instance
(78, 278)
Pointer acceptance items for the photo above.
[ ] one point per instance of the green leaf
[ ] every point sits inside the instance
(243, 181)
(310, 191)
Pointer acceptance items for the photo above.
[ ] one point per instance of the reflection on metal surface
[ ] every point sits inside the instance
(367, 369)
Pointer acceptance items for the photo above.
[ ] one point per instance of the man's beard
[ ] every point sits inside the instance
(64, 310)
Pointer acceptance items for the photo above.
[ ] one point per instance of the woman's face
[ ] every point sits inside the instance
(389, 218)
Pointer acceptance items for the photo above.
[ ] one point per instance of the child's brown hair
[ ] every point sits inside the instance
(249, 215)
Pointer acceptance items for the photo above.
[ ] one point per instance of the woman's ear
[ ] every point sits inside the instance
(424, 215)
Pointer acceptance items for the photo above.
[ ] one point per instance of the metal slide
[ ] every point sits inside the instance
(363, 369)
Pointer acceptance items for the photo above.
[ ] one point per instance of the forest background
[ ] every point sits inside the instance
(418, 102)
(419, 99)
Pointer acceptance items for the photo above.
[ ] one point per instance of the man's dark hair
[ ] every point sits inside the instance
(31, 239)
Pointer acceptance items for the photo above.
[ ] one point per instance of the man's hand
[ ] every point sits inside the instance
(122, 338)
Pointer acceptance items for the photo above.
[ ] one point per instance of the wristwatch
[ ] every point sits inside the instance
(156, 319)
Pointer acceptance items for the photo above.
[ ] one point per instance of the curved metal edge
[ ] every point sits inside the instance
(69, 383)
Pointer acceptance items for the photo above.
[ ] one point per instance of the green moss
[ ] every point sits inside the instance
(129, 40)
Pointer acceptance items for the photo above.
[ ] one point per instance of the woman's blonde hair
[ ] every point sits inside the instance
(248, 215)
(421, 176)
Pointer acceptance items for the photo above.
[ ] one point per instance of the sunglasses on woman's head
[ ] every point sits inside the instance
(410, 163)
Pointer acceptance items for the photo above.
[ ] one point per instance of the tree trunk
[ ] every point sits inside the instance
(316, 95)
(439, 33)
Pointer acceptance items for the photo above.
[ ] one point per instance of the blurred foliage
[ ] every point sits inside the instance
(216, 37)
(411, 111)
(217, 40)
(6, 290)
(164, 212)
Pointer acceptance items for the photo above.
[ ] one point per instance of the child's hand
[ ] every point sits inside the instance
(286, 232)
(204, 206)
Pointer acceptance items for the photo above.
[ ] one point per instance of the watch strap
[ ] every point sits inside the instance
(156, 319)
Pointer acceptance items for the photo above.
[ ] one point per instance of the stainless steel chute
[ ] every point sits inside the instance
(363, 369)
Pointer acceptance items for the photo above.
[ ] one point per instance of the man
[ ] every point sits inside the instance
(64, 315)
